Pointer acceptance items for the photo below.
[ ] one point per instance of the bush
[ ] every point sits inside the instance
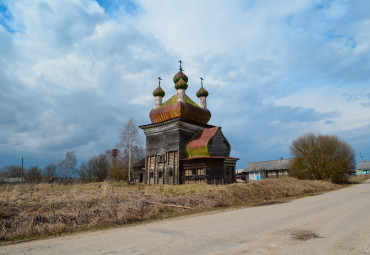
(322, 157)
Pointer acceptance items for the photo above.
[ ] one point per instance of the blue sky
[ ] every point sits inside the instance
(73, 72)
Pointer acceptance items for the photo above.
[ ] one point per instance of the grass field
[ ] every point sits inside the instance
(36, 211)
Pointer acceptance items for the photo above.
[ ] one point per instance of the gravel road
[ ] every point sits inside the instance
(333, 223)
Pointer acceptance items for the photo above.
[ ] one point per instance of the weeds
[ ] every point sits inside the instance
(34, 211)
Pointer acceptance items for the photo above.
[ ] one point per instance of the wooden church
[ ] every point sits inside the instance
(181, 147)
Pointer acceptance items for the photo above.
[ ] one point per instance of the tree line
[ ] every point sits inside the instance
(315, 156)
(98, 168)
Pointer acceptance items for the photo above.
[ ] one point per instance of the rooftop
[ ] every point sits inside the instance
(267, 165)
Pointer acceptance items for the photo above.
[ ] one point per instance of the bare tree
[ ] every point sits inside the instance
(33, 175)
(49, 172)
(68, 164)
(130, 145)
(96, 169)
(12, 171)
(321, 157)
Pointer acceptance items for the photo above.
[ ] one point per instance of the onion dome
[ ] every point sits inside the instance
(180, 75)
(181, 84)
(159, 92)
(202, 92)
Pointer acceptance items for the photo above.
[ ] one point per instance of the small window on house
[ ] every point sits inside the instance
(188, 172)
(151, 175)
(160, 174)
(194, 171)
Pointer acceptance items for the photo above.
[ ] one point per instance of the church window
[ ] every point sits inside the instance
(188, 172)
(201, 171)
(159, 158)
(170, 172)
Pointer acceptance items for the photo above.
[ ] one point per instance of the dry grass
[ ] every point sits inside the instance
(359, 178)
(34, 211)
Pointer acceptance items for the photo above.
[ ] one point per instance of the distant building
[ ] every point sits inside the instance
(363, 167)
(181, 147)
(12, 180)
(256, 171)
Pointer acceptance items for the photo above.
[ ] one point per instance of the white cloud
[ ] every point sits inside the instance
(351, 113)
(72, 72)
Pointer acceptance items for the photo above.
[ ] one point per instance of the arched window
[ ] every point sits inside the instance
(170, 172)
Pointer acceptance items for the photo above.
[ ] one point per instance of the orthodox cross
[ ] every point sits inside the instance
(201, 81)
(180, 64)
(159, 80)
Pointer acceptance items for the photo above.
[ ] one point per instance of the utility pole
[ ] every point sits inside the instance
(22, 170)
(362, 164)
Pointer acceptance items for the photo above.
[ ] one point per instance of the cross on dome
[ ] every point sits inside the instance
(180, 64)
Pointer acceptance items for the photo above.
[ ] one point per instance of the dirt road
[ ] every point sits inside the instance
(334, 223)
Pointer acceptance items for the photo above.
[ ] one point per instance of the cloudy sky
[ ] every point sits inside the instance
(72, 72)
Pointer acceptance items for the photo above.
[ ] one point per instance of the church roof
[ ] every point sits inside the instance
(180, 105)
(173, 109)
(198, 145)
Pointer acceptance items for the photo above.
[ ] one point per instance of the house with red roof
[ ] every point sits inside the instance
(181, 147)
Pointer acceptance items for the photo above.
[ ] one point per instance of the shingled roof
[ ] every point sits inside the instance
(173, 109)
(267, 165)
(198, 145)
(139, 163)
(364, 165)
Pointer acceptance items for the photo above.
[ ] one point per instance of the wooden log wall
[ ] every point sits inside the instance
(163, 169)
(218, 145)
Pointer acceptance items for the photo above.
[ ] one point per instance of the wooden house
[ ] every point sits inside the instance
(181, 147)
(256, 171)
(363, 167)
